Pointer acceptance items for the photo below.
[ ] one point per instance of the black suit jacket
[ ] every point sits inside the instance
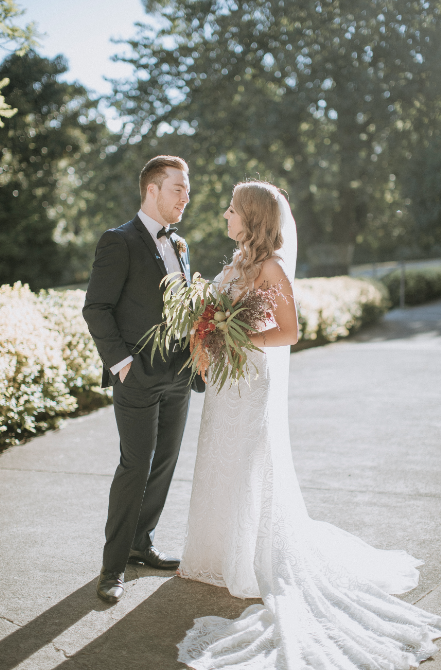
(124, 299)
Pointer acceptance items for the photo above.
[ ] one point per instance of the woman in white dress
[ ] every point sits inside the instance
(326, 593)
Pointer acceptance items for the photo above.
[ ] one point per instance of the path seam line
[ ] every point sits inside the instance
(189, 481)
(57, 472)
(14, 623)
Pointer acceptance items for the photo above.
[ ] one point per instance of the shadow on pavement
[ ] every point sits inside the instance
(24, 642)
(404, 323)
(145, 638)
(396, 330)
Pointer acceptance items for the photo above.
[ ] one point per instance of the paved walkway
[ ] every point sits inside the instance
(366, 434)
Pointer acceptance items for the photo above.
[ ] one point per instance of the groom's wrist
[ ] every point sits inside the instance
(119, 366)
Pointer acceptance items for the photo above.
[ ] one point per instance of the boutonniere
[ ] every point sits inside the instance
(181, 246)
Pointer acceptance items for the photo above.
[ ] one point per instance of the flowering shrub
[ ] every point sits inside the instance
(49, 367)
(63, 313)
(334, 307)
(33, 390)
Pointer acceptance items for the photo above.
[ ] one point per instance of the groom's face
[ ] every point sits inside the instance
(173, 196)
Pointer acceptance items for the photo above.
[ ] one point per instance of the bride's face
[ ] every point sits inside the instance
(235, 226)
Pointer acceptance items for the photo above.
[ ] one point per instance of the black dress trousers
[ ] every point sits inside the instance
(151, 424)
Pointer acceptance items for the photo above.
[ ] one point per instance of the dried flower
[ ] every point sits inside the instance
(329, 308)
(215, 325)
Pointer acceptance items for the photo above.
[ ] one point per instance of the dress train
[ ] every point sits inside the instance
(326, 593)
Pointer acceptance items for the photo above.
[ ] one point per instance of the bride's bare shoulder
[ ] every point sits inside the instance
(272, 271)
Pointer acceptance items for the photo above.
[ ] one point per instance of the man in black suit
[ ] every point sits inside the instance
(123, 301)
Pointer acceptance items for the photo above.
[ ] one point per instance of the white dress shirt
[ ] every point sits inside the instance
(165, 247)
(169, 257)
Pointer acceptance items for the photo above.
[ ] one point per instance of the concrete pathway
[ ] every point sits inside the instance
(366, 433)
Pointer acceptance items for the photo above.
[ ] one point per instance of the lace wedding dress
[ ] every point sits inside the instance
(326, 593)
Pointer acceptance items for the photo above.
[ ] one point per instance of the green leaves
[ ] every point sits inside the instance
(184, 307)
(12, 36)
(5, 110)
(53, 168)
(324, 99)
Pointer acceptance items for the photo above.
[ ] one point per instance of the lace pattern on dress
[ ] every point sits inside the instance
(326, 593)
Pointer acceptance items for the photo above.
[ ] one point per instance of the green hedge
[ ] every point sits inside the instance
(330, 308)
(49, 367)
(420, 286)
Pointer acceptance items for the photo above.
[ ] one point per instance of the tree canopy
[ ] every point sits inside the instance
(48, 176)
(335, 102)
(12, 39)
(330, 100)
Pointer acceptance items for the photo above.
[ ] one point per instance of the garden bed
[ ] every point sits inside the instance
(49, 366)
(331, 308)
(50, 369)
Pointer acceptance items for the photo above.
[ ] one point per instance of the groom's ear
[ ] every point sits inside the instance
(152, 190)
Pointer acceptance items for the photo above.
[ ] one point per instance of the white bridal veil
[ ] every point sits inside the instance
(288, 252)
(325, 592)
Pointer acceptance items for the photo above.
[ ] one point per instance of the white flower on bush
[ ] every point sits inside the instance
(49, 363)
(63, 313)
(33, 374)
(332, 307)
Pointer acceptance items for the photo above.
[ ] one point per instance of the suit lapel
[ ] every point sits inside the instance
(150, 242)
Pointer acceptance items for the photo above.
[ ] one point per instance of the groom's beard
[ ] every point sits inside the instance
(168, 212)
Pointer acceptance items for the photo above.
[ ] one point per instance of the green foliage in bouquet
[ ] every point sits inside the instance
(208, 320)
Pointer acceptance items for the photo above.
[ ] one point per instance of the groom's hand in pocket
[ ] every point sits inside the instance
(124, 371)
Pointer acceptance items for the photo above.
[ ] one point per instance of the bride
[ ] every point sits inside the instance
(326, 593)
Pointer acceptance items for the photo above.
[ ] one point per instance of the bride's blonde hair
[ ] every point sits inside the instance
(256, 204)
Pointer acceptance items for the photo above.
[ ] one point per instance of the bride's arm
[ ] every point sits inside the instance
(285, 314)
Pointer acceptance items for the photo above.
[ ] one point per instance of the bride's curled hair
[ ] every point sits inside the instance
(256, 203)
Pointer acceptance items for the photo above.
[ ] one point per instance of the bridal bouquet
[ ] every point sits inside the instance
(216, 326)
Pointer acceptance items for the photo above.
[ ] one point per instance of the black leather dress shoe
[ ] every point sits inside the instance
(154, 558)
(110, 586)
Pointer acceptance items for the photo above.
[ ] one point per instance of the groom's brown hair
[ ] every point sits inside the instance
(155, 171)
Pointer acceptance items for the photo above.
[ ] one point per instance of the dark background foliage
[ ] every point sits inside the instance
(50, 152)
(337, 102)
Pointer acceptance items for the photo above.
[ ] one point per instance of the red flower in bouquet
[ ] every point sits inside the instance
(204, 325)
(218, 332)
(208, 313)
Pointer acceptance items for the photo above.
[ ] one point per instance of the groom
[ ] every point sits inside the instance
(123, 301)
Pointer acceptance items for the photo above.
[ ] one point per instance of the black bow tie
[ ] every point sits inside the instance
(167, 233)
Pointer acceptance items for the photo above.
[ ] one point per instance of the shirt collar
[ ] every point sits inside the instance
(152, 226)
